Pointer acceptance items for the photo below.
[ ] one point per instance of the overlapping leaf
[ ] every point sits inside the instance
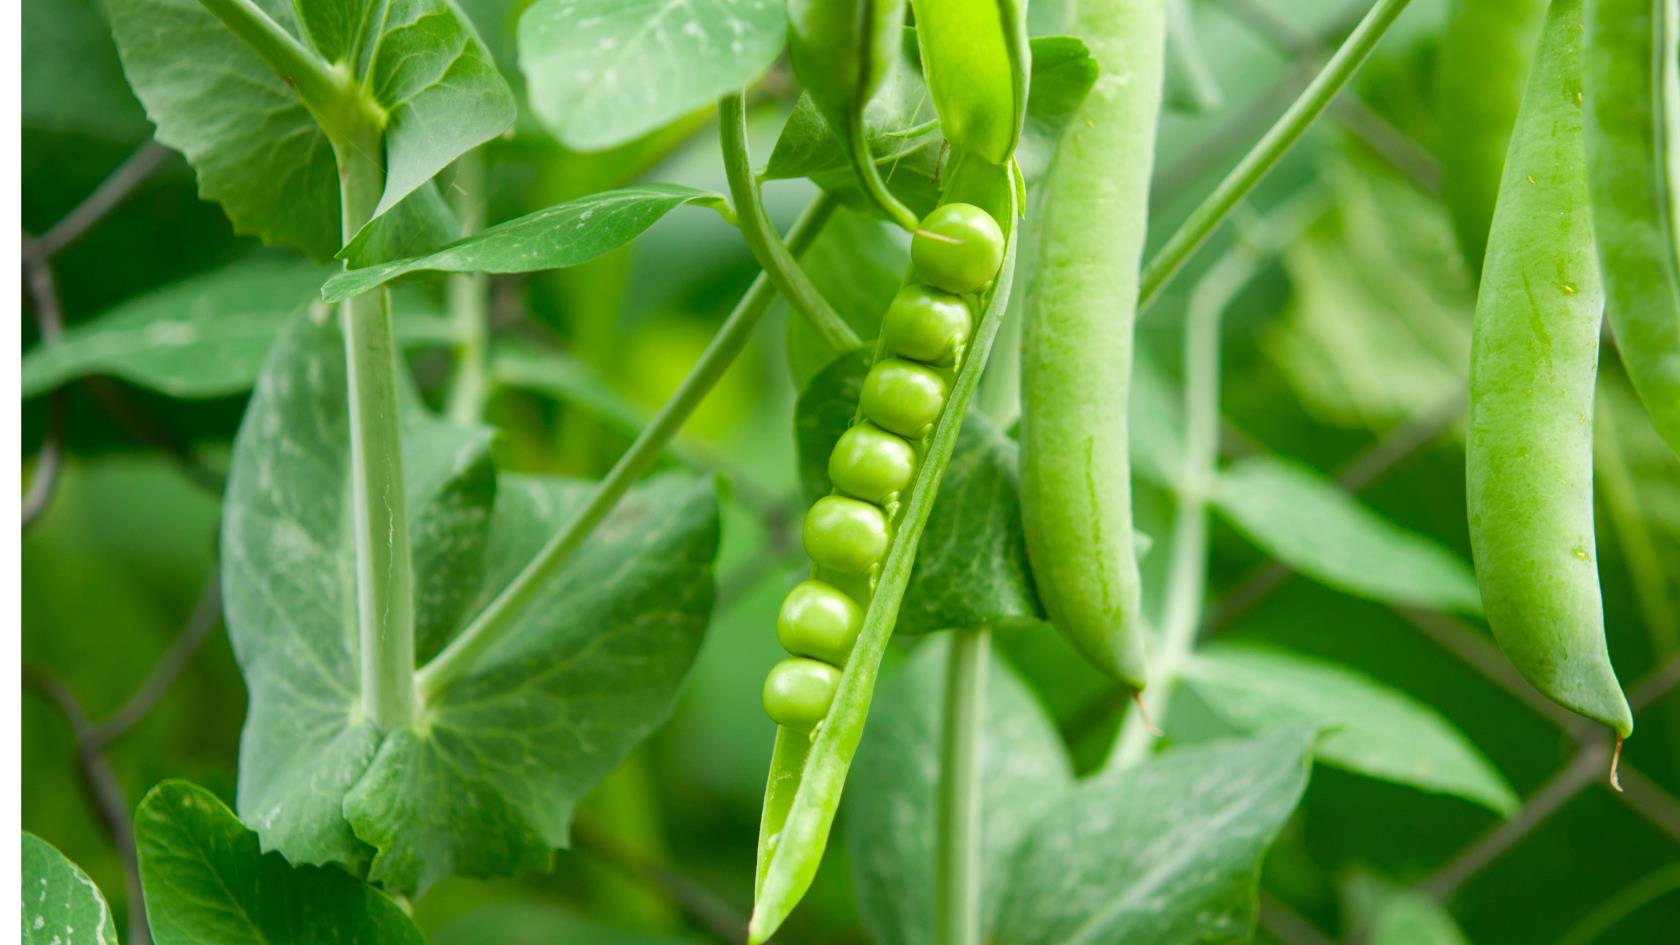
(61, 905)
(207, 879)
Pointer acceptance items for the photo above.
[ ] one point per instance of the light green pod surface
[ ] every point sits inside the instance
(974, 54)
(1632, 126)
(841, 50)
(1076, 366)
(1483, 66)
(1533, 363)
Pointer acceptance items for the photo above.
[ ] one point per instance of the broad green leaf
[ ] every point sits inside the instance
(484, 782)
(562, 235)
(208, 880)
(1167, 851)
(288, 579)
(205, 336)
(825, 409)
(904, 138)
(1369, 727)
(602, 72)
(72, 81)
(258, 151)
(487, 783)
(1317, 529)
(536, 923)
(893, 796)
(61, 905)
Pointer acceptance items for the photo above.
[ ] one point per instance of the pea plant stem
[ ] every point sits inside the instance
(957, 866)
(499, 615)
(1265, 154)
(469, 298)
(784, 273)
(378, 497)
(1187, 576)
(331, 93)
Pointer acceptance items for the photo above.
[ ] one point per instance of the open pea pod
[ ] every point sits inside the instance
(863, 537)
(1632, 120)
(976, 59)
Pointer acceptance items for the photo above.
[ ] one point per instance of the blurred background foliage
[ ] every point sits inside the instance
(1346, 352)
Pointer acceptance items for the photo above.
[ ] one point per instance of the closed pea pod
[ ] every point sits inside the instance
(1077, 346)
(974, 54)
(1632, 127)
(1533, 364)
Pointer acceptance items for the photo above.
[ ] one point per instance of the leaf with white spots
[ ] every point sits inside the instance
(61, 905)
(555, 237)
(604, 72)
(208, 882)
(1161, 853)
(484, 781)
(205, 336)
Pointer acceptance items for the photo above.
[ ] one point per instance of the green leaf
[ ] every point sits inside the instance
(1369, 728)
(202, 337)
(536, 923)
(892, 798)
(602, 72)
(207, 879)
(826, 407)
(906, 144)
(971, 566)
(288, 576)
(484, 782)
(72, 81)
(1412, 918)
(259, 152)
(1165, 852)
(562, 235)
(61, 905)
(1312, 526)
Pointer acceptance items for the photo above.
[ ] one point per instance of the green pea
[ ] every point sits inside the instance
(845, 535)
(958, 248)
(902, 397)
(798, 692)
(1533, 365)
(819, 621)
(871, 463)
(927, 325)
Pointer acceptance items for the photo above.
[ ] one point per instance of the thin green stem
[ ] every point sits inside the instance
(379, 507)
(1187, 576)
(869, 175)
(779, 265)
(1265, 154)
(957, 870)
(494, 621)
(469, 299)
(331, 94)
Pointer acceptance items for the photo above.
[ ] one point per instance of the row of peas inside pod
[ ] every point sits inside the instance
(956, 252)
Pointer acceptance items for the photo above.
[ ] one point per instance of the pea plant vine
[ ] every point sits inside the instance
(1017, 445)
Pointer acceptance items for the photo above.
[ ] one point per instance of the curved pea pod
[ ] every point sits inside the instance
(976, 59)
(1482, 67)
(1633, 146)
(1077, 347)
(1533, 363)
